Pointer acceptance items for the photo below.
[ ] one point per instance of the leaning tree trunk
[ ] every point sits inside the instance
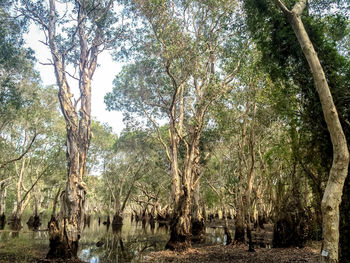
(339, 170)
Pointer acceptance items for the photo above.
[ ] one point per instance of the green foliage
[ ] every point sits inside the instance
(284, 61)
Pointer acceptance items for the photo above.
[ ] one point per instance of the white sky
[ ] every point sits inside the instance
(101, 83)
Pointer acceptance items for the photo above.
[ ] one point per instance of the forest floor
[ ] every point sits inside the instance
(19, 250)
(202, 254)
(237, 253)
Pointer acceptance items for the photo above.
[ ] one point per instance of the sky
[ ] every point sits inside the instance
(101, 84)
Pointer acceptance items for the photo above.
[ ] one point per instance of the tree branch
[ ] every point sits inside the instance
(22, 155)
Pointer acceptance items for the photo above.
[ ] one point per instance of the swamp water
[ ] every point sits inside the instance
(100, 244)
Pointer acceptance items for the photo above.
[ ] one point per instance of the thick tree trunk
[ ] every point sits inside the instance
(65, 230)
(339, 170)
(197, 221)
(117, 222)
(15, 221)
(64, 238)
(34, 221)
(180, 227)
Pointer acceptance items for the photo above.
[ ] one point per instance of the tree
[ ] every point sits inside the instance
(180, 69)
(78, 40)
(338, 171)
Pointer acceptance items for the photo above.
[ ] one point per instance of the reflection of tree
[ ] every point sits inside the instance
(119, 246)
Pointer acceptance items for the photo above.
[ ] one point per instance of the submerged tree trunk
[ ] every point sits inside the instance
(34, 221)
(15, 222)
(339, 170)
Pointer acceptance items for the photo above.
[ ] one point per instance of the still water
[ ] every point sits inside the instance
(100, 244)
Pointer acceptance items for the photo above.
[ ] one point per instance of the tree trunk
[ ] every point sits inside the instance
(15, 222)
(21, 203)
(174, 142)
(180, 227)
(239, 224)
(251, 178)
(34, 221)
(339, 170)
(197, 221)
(345, 224)
(2, 206)
(65, 230)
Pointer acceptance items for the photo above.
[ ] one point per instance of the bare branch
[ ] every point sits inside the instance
(22, 155)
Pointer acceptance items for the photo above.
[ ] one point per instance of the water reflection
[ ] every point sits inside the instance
(130, 242)
(126, 244)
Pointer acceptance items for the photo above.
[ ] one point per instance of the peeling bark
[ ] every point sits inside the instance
(180, 228)
(66, 229)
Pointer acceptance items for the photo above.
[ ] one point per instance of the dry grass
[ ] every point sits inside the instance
(235, 253)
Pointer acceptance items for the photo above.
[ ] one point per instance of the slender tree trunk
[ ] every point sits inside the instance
(339, 170)
(2, 205)
(174, 142)
(251, 178)
(239, 224)
(15, 220)
(345, 224)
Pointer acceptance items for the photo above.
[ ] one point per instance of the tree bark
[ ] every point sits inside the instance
(239, 224)
(251, 178)
(339, 170)
(65, 230)
(197, 220)
(3, 193)
(180, 228)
